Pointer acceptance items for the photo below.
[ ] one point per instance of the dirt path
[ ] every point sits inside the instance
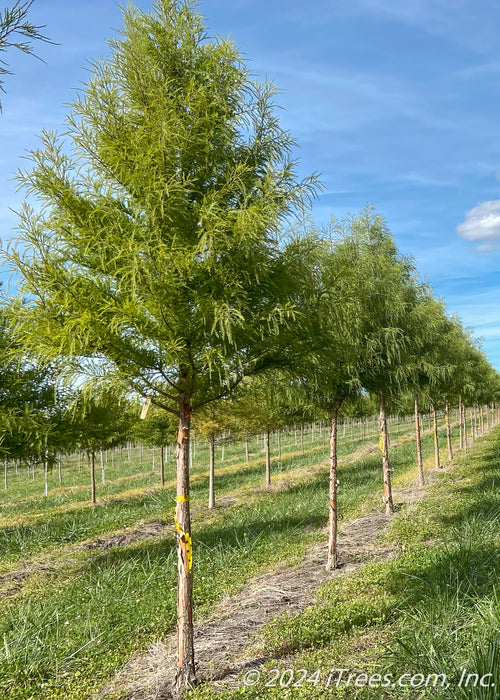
(222, 641)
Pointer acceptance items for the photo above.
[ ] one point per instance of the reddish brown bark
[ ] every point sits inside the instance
(332, 562)
(436, 437)
(384, 446)
(460, 422)
(185, 677)
(267, 449)
(92, 476)
(420, 465)
(465, 426)
(211, 472)
(448, 431)
(162, 465)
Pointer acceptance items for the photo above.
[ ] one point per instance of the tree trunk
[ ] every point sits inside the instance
(460, 423)
(267, 450)
(421, 479)
(59, 473)
(436, 437)
(332, 562)
(162, 465)
(92, 477)
(465, 426)
(246, 450)
(46, 472)
(5, 474)
(211, 470)
(384, 446)
(448, 432)
(185, 676)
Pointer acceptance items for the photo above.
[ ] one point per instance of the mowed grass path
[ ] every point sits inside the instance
(66, 634)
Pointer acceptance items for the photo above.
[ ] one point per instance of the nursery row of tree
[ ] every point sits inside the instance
(164, 259)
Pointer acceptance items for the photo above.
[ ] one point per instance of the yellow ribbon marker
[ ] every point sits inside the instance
(381, 445)
(184, 535)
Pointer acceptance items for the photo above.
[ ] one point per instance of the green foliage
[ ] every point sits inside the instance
(101, 422)
(157, 429)
(156, 250)
(263, 403)
(391, 292)
(31, 403)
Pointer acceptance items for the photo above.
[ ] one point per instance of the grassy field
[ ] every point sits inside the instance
(73, 611)
(424, 625)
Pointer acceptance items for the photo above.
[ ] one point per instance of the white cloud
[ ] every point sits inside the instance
(482, 223)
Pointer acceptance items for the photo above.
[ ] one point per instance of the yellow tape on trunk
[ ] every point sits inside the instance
(381, 445)
(187, 539)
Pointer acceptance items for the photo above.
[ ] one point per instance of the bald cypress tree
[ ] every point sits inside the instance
(326, 368)
(155, 255)
(392, 295)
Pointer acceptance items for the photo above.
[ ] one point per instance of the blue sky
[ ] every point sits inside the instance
(395, 102)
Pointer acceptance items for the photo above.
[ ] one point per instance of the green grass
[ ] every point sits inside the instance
(67, 634)
(38, 524)
(24, 494)
(433, 610)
